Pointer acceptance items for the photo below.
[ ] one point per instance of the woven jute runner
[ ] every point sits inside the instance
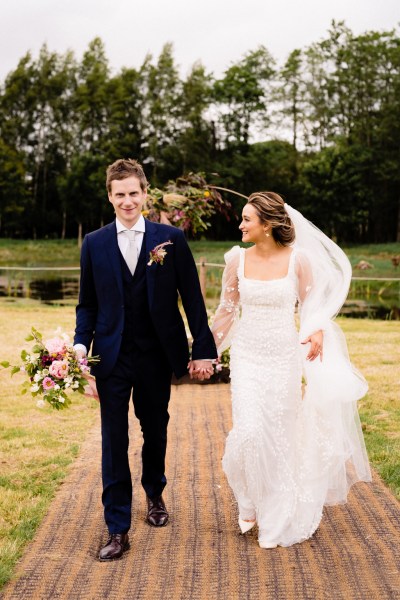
(200, 555)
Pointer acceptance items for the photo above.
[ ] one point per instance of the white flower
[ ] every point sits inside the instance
(40, 403)
(35, 387)
(37, 377)
(69, 379)
(61, 400)
(75, 385)
(45, 372)
(56, 387)
(67, 385)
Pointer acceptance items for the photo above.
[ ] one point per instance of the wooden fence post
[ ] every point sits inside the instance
(203, 275)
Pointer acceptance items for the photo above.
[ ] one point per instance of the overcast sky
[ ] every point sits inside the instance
(217, 32)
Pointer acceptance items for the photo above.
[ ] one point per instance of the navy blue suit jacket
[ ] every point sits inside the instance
(100, 312)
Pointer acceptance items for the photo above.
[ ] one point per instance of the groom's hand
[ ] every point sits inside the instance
(200, 369)
(80, 350)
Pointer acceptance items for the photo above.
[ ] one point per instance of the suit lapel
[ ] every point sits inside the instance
(112, 250)
(151, 240)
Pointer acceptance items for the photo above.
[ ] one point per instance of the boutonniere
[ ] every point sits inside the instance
(158, 254)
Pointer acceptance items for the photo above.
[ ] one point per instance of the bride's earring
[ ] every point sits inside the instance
(267, 234)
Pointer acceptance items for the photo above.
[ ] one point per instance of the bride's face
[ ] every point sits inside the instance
(251, 227)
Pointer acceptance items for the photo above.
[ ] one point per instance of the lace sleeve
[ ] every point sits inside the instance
(304, 277)
(313, 316)
(227, 313)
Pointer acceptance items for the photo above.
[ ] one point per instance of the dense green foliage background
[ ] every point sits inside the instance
(323, 129)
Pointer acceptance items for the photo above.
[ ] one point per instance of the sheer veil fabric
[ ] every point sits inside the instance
(334, 385)
(290, 453)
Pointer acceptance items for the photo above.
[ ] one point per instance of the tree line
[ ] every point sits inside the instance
(323, 129)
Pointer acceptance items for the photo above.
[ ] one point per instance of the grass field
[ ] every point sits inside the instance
(37, 446)
(57, 253)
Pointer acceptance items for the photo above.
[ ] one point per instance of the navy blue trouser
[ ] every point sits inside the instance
(148, 374)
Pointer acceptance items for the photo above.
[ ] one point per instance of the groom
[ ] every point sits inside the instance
(128, 309)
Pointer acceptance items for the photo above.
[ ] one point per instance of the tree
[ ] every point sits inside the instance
(196, 138)
(124, 115)
(91, 97)
(241, 96)
(290, 93)
(13, 190)
(162, 115)
(353, 84)
(33, 105)
(334, 195)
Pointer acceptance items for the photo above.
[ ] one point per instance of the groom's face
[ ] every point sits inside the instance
(127, 198)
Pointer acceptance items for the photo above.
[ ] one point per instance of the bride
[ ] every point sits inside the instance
(296, 442)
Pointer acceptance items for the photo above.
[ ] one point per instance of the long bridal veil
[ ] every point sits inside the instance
(330, 437)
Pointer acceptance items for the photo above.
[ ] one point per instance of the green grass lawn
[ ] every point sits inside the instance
(66, 253)
(37, 446)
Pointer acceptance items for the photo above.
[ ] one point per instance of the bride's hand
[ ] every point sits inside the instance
(316, 340)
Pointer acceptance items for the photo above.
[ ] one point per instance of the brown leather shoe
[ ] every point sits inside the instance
(157, 514)
(117, 544)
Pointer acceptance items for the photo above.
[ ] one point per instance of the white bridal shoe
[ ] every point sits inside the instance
(267, 544)
(263, 543)
(246, 525)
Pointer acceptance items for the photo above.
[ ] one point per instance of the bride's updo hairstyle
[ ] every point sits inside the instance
(270, 208)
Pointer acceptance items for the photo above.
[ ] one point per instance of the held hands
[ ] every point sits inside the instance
(200, 369)
(316, 340)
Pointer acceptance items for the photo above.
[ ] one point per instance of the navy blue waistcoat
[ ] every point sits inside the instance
(138, 329)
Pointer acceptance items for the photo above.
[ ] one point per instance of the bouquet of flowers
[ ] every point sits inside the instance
(188, 203)
(53, 368)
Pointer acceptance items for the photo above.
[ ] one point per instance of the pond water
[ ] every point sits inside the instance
(365, 300)
(46, 289)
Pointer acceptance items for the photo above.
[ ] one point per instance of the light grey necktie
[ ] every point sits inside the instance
(131, 253)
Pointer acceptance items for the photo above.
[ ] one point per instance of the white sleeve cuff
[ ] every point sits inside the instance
(80, 347)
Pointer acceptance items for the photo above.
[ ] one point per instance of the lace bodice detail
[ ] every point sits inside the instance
(271, 301)
(257, 301)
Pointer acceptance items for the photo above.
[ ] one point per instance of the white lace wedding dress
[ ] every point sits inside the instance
(289, 453)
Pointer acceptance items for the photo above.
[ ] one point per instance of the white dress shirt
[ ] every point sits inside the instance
(123, 242)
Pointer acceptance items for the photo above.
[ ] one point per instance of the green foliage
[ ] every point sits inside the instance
(242, 94)
(326, 125)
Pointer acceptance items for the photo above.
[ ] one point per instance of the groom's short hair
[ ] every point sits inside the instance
(124, 168)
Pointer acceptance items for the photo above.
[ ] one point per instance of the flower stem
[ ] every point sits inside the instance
(216, 187)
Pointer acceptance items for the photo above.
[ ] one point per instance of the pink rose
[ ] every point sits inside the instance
(55, 346)
(48, 383)
(59, 369)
